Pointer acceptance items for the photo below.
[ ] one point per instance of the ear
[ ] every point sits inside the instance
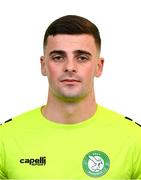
(99, 67)
(43, 66)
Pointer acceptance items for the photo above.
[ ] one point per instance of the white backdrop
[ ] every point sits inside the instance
(22, 27)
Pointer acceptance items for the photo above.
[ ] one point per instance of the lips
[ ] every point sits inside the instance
(70, 80)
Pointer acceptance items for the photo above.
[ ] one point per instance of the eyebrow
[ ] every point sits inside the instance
(61, 52)
(79, 51)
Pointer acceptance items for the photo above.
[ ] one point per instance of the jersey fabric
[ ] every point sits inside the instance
(105, 146)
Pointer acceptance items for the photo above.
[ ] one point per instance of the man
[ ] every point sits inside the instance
(71, 137)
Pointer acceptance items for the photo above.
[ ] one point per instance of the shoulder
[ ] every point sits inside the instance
(123, 127)
(119, 121)
(19, 121)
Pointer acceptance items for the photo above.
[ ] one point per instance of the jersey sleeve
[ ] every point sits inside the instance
(137, 157)
(2, 175)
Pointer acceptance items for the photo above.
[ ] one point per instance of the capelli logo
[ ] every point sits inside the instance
(41, 161)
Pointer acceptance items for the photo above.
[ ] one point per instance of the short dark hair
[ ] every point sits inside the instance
(73, 24)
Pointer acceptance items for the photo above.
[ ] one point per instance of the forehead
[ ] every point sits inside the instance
(70, 42)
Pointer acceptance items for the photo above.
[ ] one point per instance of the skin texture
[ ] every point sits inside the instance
(70, 63)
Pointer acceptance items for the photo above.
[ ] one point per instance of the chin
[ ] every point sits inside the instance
(71, 94)
(71, 97)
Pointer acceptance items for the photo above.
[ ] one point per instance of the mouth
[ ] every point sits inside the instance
(70, 80)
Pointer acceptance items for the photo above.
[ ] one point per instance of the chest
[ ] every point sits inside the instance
(64, 155)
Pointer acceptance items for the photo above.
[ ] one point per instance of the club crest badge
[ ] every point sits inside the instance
(96, 163)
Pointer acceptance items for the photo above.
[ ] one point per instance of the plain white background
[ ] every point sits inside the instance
(22, 27)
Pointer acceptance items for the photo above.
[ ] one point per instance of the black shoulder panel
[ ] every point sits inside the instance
(8, 120)
(132, 120)
(138, 124)
(128, 118)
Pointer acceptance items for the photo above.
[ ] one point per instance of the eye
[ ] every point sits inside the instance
(83, 58)
(57, 58)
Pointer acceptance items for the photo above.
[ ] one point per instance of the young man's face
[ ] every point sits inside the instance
(71, 62)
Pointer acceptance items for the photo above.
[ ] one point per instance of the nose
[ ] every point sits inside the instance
(70, 66)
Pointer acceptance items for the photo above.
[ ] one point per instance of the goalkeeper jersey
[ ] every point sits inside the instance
(105, 146)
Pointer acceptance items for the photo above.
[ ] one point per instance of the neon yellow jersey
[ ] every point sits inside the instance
(107, 146)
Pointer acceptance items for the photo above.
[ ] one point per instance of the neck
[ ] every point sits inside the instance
(69, 112)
